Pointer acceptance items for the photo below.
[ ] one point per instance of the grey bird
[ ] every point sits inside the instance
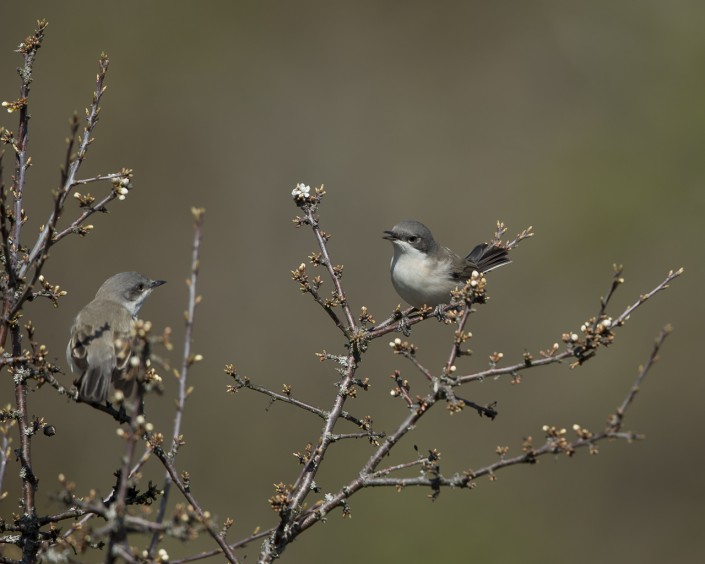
(99, 347)
(424, 272)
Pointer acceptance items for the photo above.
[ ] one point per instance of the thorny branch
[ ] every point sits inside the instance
(22, 267)
(11, 284)
(295, 511)
(289, 501)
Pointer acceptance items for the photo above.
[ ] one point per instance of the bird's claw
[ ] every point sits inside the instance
(404, 326)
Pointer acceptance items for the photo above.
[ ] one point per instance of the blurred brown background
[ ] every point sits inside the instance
(585, 120)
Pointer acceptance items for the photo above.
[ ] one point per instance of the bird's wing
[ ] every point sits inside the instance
(99, 351)
(459, 270)
(83, 335)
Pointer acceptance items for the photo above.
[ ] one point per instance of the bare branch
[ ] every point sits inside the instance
(672, 275)
(618, 417)
(204, 516)
(187, 361)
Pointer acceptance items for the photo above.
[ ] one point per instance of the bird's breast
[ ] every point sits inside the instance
(421, 280)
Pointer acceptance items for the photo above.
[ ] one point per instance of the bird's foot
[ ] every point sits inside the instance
(439, 312)
(404, 326)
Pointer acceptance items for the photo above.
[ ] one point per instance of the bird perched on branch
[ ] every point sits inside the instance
(100, 345)
(424, 272)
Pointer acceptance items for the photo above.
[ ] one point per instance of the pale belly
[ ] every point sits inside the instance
(417, 281)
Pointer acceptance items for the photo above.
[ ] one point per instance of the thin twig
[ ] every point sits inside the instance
(4, 453)
(186, 492)
(415, 361)
(146, 455)
(617, 418)
(89, 211)
(118, 532)
(287, 398)
(455, 349)
(46, 239)
(186, 362)
(240, 544)
(313, 221)
(554, 444)
(513, 369)
(672, 275)
(28, 49)
(370, 435)
(5, 230)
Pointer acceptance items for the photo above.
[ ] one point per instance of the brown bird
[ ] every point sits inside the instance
(100, 345)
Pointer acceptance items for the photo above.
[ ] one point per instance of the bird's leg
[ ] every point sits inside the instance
(439, 312)
(404, 326)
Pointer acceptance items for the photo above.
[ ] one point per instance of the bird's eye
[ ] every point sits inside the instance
(412, 239)
(140, 287)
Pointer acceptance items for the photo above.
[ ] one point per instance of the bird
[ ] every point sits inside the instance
(424, 272)
(99, 347)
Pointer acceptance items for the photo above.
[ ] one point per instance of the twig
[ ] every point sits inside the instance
(240, 544)
(112, 176)
(186, 492)
(302, 485)
(28, 48)
(389, 469)
(311, 516)
(617, 280)
(40, 251)
(4, 453)
(513, 369)
(187, 361)
(553, 358)
(124, 553)
(421, 368)
(5, 230)
(672, 275)
(455, 349)
(76, 224)
(30, 540)
(555, 443)
(118, 532)
(88, 516)
(618, 417)
(313, 221)
(370, 435)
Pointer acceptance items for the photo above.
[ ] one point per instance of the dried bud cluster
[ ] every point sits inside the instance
(84, 200)
(303, 458)
(50, 291)
(403, 387)
(473, 292)
(402, 347)
(14, 105)
(299, 275)
(595, 332)
(365, 316)
(280, 499)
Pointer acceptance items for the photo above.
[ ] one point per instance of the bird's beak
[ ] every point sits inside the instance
(389, 235)
(156, 283)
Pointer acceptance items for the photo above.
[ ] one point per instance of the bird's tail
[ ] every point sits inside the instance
(488, 257)
(95, 384)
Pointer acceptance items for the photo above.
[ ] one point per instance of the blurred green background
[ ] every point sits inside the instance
(585, 120)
